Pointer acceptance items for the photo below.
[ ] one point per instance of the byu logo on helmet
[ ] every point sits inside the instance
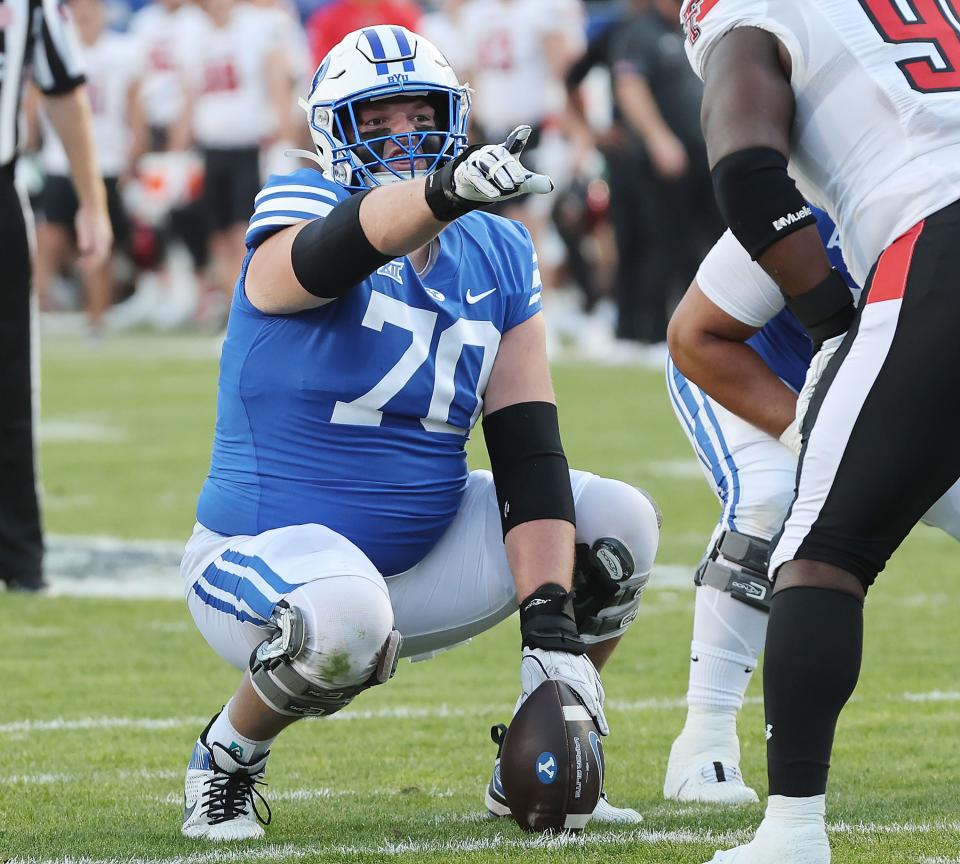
(374, 67)
(546, 767)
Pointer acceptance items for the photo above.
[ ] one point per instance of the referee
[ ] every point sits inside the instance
(35, 38)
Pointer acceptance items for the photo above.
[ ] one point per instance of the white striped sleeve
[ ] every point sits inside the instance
(280, 205)
(57, 64)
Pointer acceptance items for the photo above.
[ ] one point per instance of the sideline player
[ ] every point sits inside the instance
(738, 358)
(879, 148)
(377, 314)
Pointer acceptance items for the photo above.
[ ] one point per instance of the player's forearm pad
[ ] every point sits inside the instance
(826, 310)
(758, 199)
(331, 255)
(530, 470)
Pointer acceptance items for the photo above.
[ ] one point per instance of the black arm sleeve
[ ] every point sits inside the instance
(331, 255)
(530, 471)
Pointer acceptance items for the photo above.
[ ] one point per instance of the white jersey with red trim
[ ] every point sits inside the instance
(507, 64)
(226, 69)
(876, 137)
(113, 63)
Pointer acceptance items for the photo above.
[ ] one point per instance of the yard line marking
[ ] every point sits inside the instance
(43, 779)
(645, 836)
(76, 429)
(280, 852)
(892, 828)
(933, 696)
(397, 712)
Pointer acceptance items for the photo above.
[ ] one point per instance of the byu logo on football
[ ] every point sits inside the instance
(546, 768)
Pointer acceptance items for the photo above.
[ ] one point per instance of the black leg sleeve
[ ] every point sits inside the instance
(810, 668)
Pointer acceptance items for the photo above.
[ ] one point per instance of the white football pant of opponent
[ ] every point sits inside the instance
(733, 422)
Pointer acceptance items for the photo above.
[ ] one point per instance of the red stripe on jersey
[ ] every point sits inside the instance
(705, 7)
(893, 268)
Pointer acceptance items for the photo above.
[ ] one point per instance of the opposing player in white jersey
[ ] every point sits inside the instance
(162, 28)
(379, 311)
(235, 66)
(738, 358)
(114, 69)
(518, 52)
(864, 102)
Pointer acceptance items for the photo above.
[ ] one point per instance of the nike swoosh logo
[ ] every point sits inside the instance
(188, 812)
(476, 298)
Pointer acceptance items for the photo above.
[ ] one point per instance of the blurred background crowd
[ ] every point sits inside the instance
(195, 103)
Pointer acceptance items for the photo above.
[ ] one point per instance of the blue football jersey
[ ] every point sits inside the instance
(783, 342)
(355, 414)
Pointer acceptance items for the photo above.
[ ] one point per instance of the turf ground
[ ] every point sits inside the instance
(103, 698)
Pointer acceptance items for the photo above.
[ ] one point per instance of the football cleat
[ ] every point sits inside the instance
(783, 842)
(495, 798)
(709, 776)
(219, 795)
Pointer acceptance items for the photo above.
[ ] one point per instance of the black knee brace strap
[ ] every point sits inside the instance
(530, 470)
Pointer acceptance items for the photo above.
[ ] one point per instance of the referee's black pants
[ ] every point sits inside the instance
(21, 539)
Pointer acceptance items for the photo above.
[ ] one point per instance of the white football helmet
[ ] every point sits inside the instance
(384, 62)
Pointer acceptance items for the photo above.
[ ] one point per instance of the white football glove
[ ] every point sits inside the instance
(791, 435)
(484, 175)
(493, 172)
(575, 670)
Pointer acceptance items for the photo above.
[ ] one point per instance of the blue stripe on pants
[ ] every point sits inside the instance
(724, 471)
(259, 566)
(241, 588)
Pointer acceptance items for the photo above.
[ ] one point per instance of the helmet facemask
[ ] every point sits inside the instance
(350, 80)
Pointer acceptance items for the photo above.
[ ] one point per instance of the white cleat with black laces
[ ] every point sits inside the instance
(496, 800)
(219, 795)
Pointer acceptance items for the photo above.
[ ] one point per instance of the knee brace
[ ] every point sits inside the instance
(737, 563)
(302, 670)
(607, 591)
(611, 572)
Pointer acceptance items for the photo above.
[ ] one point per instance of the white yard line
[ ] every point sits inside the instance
(396, 712)
(644, 836)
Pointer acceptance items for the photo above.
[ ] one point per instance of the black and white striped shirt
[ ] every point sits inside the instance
(36, 36)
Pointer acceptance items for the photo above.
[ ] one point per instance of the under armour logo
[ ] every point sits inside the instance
(769, 731)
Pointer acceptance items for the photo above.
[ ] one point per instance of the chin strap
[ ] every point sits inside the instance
(303, 154)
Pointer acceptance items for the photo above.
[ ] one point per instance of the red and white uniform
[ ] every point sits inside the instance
(162, 34)
(512, 78)
(225, 67)
(877, 128)
(113, 63)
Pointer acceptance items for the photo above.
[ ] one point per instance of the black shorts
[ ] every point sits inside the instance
(231, 181)
(59, 204)
(881, 448)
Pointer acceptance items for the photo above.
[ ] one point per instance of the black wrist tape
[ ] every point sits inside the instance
(442, 200)
(331, 255)
(547, 620)
(758, 199)
(825, 311)
(530, 470)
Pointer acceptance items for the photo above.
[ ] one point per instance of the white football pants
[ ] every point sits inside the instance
(460, 589)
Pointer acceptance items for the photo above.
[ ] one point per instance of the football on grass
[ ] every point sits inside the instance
(551, 764)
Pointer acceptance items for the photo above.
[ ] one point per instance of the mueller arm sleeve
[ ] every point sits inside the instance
(758, 199)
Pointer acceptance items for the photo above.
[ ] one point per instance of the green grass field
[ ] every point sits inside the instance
(103, 698)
